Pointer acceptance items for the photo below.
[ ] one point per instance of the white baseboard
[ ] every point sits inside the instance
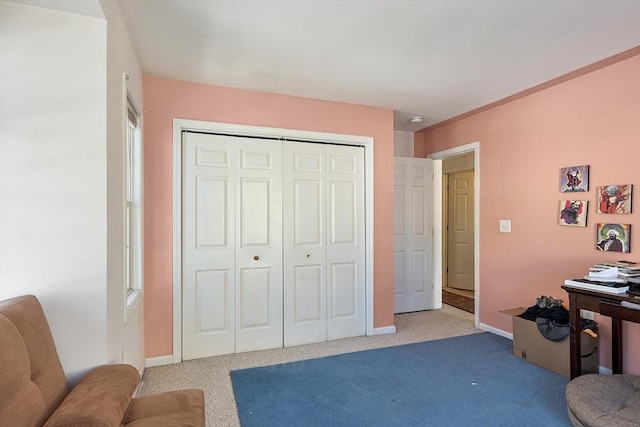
(159, 361)
(487, 328)
(384, 330)
(141, 369)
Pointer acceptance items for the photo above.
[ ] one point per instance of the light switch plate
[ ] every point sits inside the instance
(505, 226)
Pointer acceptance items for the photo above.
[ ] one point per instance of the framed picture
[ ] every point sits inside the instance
(613, 237)
(615, 199)
(573, 213)
(574, 178)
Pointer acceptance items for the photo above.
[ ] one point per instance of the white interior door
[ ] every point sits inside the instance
(324, 281)
(413, 234)
(232, 247)
(460, 231)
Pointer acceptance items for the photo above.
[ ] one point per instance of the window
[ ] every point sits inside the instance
(132, 206)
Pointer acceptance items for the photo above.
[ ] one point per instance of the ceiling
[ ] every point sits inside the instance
(431, 58)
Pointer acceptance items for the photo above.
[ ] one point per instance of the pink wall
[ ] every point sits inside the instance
(593, 119)
(166, 99)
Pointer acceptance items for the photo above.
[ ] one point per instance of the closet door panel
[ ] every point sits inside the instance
(254, 290)
(346, 245)
(208, 270)
(213, 287)
(344, 291)
(307, 205)
(343, 200)
(258, 299)
(305, 294)
(211, 212)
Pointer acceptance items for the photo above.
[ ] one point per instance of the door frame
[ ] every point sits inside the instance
(180, 125)
(473, 147)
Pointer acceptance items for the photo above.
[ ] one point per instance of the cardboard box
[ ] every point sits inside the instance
(529, 344)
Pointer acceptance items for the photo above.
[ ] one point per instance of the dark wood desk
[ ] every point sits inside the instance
(606, 304)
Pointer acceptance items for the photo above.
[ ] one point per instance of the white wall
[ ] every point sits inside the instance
(53, 225)
(62, 128)
(125, 333)
(402, 144)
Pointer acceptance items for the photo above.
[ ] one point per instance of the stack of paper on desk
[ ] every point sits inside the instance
(626, 269)
(607, 275)
(613, 278)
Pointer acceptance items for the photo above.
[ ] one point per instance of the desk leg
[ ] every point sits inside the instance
(574, 336)
(616, 345)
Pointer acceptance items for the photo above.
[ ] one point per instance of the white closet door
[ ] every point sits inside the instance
(345, 241)
(324, 245)
(232, 245)
(305, 279)
(258, 305)
(413, 234)
(208, 248)
(249, 282)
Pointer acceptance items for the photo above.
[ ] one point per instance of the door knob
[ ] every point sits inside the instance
(256, 258)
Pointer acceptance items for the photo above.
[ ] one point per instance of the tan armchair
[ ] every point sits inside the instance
(33, 388)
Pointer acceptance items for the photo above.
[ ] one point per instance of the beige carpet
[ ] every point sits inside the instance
(212, 374)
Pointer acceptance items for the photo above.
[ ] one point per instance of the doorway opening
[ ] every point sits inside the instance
(458, 287)
(450, 160)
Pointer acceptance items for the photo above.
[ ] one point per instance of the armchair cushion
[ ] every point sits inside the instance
(100, 399)
(181, 408)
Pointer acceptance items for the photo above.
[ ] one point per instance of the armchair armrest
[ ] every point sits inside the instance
(100, 399)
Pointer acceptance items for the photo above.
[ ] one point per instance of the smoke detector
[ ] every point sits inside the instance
(416, 119)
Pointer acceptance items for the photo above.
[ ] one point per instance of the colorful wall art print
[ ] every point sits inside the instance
(614, 199)
(573, 213)
(613, 237)
(574, 178)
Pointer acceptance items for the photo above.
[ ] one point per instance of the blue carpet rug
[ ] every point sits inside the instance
(472, 380)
